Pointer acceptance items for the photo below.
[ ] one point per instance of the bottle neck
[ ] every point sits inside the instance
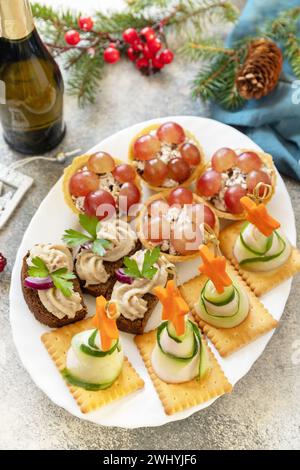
(16, 20)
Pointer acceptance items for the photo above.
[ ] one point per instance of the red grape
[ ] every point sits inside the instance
(223, 159)
(180, 196)
(157, 207)
(209, 217)
(179, 170)
(190, 153)
(186, 238)
(155, 171)
(83, 182)
(232, 198)
(248, 161)
(255, 177)
(129, 195)
(171, 133)
(209, 183)
(156, 228)
(146, 147)
(124, 173)
(100, 203)
(200, 213)
(101, 162)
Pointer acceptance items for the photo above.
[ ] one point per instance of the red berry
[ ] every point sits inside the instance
(142, 63)
(146, 52)
(154, 45)
(137, 46)
(72, 37)
(166, 56)
(131, 54)
(111, 55)
(148, 33)
(85, 23)
(3, 262)
(112, 44)
(130, 35)
(156, 62)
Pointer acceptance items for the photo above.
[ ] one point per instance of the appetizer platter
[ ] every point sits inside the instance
(129, 321)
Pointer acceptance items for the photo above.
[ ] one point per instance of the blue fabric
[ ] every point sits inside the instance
(273, 122)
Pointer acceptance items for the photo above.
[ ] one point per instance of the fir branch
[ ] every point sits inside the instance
(85, 78)
(203, 49)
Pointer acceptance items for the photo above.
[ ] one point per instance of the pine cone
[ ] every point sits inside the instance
(260, 71)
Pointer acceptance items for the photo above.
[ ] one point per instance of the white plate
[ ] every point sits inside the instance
(53, 217)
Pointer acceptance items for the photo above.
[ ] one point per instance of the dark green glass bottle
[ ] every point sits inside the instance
(31, 85)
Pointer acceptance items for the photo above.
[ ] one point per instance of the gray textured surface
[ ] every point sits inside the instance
(262, 412)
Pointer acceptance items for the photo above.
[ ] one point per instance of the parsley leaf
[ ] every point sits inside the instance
(131, 268)
(99, 246)
(148, 271)
(75, 238)
(62, 280)
(150, 259)
(39, 268)
(90, 224)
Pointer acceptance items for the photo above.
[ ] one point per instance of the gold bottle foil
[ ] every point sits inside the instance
(16, 21)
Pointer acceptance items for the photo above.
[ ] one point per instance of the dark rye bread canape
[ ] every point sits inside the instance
(106, 288)
(99, 251)
(40, 312)
(137, 327)
(133, 292)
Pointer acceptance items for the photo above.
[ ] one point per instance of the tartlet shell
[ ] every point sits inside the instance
(268, 161)
(146, 244)
(195, 173)
(76, 165)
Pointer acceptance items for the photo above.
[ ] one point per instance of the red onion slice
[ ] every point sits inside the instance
(39, 283)
(122, 277)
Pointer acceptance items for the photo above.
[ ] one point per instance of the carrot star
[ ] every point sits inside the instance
(215, 268)
(259, 216)
(105, 324)
(174, 307)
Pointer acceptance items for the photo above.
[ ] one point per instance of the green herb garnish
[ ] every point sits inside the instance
(148, 270)
(91, 225)
(62, 279)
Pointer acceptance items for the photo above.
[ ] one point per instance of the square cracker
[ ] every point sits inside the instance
(260, 282)
(228, 340)
(178, 397)
(57, 343)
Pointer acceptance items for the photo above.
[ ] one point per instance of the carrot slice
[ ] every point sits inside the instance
(259, 216)
(215, 268)
(106, 326)
(174, 307)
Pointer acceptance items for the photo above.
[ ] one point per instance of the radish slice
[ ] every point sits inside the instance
(122, 277)
(39, 283)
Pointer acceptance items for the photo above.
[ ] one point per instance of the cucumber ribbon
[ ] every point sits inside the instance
(260, 256)
(198, 348)
(235, 292)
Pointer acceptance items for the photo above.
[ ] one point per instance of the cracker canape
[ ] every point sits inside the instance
(99, 252)
(260, 252)
(90, 357)
(100, 179)
(166, 156)
(50, 288)
(142, 271)
(227, 311)
(182, 368)
(174, 221)
(232, 174)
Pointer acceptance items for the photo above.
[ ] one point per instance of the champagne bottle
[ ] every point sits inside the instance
(31, 85)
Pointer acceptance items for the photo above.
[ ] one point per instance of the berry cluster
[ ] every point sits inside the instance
(3, 262)
(144, 47)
